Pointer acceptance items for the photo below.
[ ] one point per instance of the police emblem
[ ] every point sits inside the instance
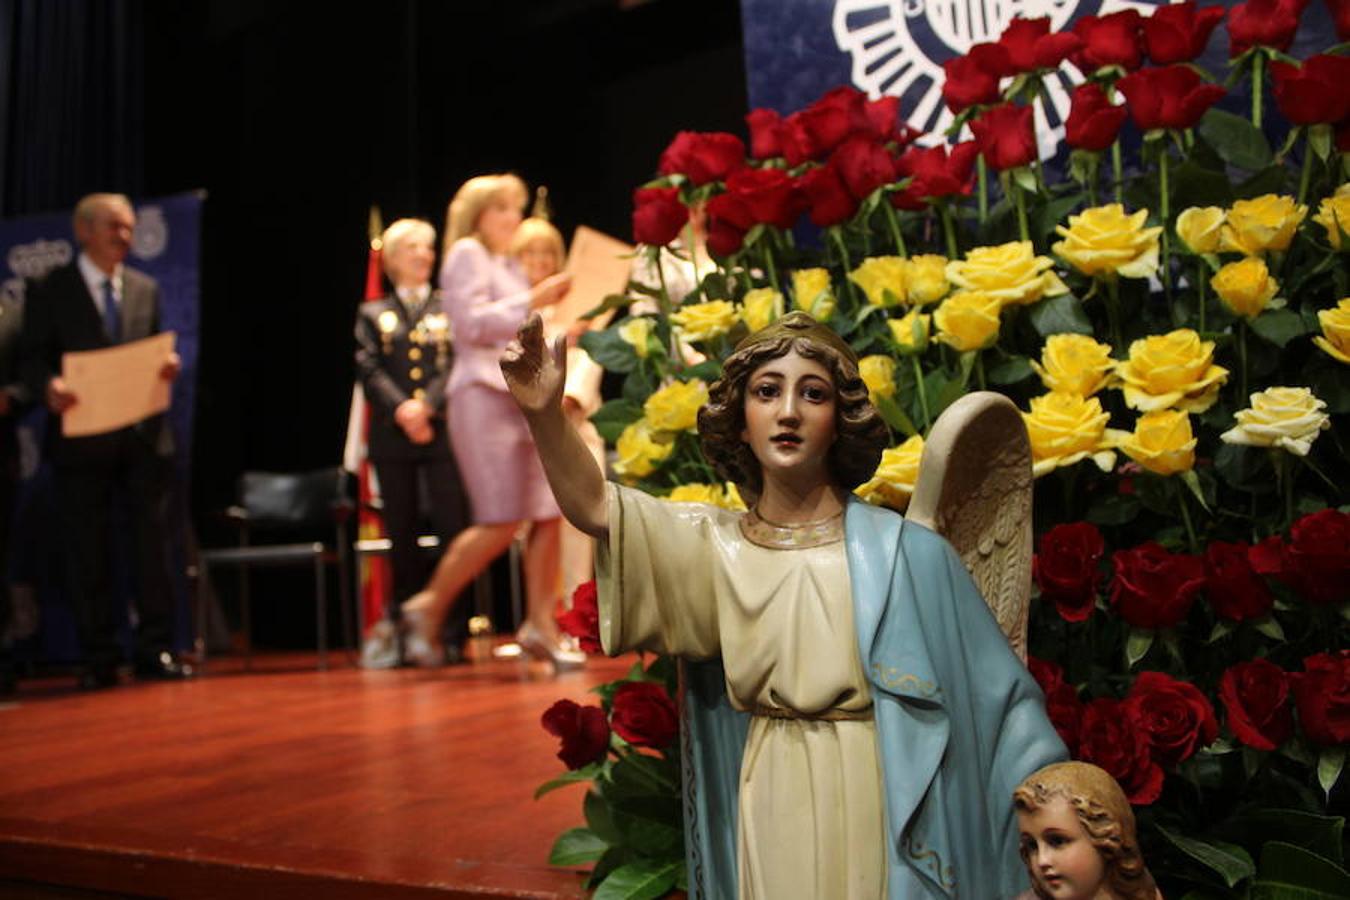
(152, 233)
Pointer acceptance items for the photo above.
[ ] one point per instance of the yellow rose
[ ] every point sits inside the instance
(879, 276)
(733, 496)
(1105, 241)
(892, 484)
(675, 407)
(1074, 364)
(639, 449)
(811, 292)
(1199, 226)
(1245, 287)
(635, 332)
(1263, 223)
(926, 279)
(1066, 429)
(968, 320)
(1162, 442)
(703, 321)
(1334, 215)
(1286, 417)
(878, 373)
(1335, 336)
(725, 496)
(760, 307)
(1171, 371)
(903, 330)
(1012, 273)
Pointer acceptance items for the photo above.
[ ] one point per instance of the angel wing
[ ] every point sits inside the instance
(974, 489)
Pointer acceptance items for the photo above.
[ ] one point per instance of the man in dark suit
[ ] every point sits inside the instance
(94, 303)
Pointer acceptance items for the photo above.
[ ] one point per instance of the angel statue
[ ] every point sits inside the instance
(854, 719)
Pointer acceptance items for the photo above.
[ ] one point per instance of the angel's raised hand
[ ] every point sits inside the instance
(534, 372)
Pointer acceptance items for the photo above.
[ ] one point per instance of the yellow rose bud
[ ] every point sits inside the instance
(892, 484)
(878, 373)
(1074, 364)
(1333, 214)
(1335, 337)
(1263, 223)
(704, 321)
(1245, 287)
(760, 307)
(1105, 241)
(639, 449)
(926, 279)
(1012, 273)
(911, 331)
(1286, 417)
(636, 332)
(711, 494)
(811, 292)
(1199, 226)
(1174, 370)
(968, 320)
(1065, 429)
(882, 279)
(675, 407)
(1162, 442)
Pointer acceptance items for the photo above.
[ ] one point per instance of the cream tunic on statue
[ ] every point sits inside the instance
(682, 578)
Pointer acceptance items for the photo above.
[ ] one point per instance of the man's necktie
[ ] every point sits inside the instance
(112, 316)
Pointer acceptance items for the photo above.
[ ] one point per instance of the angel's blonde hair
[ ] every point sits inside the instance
(461, 218)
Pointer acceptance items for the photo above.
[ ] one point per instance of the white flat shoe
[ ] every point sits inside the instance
(419, 649)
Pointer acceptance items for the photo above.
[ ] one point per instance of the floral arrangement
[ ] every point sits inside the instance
(1171, 310)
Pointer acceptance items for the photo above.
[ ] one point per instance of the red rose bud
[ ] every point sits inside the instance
(1316, 92)
(644, 715)
(1255, 698)
(1179, 32)
(827, 197)
(703, 156)
(1323, 694)
(583, 729)
(764, 125)
(1094, 121)
(882, 115)
(1169, 97)
(1006, 136)
(1340, 15)
(1031, 46)
(1268, 23)
(1317, 557)
(658, 215)
(582, 621)
(1153, 588)
(795, 141)
(836, 115)
(1110, 739)
(967, 83)
(1066, 568)
(863, 164)
(1109, 41)
(1061, 700)
(936, 172)
(769, 195)
(729, 218)
(1177, 719)
(1236, 592)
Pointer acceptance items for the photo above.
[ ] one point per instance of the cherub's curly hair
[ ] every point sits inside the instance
(860, 433)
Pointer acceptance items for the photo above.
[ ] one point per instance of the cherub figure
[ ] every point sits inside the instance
(1078, 839)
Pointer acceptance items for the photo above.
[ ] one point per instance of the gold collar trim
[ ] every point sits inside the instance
(761, 532)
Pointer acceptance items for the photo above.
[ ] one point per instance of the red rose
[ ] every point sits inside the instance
(1235, 590)
(828, 198)
(1061, 700)
(1031, 46)
(795, 141)
(658, 215)
(703, 156)
(729, 218)
(1066, 568)
(1168, 97)
(863, 165)
(936, 172)
(583, 729)
(1109, 739)
(769, 195)
(1179, 33)
(1255, 697)
(1340, 14)
(1153, 588)
(1317, 557)
(1175, 716)
(764, 125)
(1108, 41)
(1323, 694)
(1094, 121)
(1269, 23)
(836, 115)
(968, 83)
(1006, 136)
(582, 621)
(882, 115)
(644, 715)
(1315, 93)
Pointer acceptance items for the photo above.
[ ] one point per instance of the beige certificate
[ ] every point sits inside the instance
(599, 265)
(116, 387)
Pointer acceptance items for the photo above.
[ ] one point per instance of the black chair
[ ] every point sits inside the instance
(314, 506)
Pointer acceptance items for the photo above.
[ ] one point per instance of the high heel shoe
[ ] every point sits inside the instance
(533, 642)
(419, 649)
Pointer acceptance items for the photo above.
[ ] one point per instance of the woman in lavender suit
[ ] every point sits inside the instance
(487, 297)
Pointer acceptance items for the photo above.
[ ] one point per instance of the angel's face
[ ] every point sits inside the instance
(790, 417)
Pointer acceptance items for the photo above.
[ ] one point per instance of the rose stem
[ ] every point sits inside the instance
(1307, 169)
(1022, 228)
(1242, 357)
(1166, 242)
(848, 266)
(949, 230)
(1113, 311)
(1258, 62)
(923, 394)
(894, 222)
(983, 172)
(1186, 520)
(1200, 283)
(1117, 169)
(764, 245)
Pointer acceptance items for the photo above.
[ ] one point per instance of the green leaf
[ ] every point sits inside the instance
(1319, 139)
(1222, 629)
(1315, 833)
(644, 879)
(1292, 873)
(1196, 185)
(1270, 180)
(1330, 764)
(1115, 509)
(1279, 326)
(616, 415)
(1229, 861)
(599, 818)
(609, 350)
(575, 776)
(1192, 481)
(1331, 385)
(1060, 315)
(611, 301)
(1137, 645)
(1236, 140)
(1011, 371)
(1047, 216)
(895, 416)
(1025, 178)
(1269, 627)
(576, 847)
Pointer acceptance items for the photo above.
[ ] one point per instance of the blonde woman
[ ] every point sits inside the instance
(487, 297)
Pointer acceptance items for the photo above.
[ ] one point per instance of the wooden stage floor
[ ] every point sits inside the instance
(287, 782)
